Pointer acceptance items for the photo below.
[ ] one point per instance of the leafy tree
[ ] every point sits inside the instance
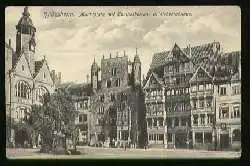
(56, 114)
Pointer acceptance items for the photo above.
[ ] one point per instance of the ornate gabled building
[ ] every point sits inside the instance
(175, 68)
(26, 80)
(202, 109)
(114, 101)
(191, 79)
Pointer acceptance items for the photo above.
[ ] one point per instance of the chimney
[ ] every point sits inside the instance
(10, 43)
(110, 55)
(103, 56)
(116, 54)
(124, 53)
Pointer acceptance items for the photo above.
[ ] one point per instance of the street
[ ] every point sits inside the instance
(111, 153)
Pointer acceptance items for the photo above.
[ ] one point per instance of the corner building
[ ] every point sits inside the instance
(26, 79)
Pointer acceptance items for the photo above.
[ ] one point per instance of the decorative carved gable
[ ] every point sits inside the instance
(22, 67)
(178, 54)
(153, 81)
(200, 75)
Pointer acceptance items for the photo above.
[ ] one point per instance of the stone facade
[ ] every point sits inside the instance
(114, 113)
(26, 80)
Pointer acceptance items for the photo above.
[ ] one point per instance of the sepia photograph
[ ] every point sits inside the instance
(127, 82)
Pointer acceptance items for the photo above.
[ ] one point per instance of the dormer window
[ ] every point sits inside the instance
(44, 75)
(22, 67)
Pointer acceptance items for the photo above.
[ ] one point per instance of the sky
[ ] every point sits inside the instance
(70, 44)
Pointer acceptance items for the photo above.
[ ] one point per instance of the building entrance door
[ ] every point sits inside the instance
(224, 141)
(180, 140)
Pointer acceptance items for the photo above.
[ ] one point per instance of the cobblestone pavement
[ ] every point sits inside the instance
(111, 153)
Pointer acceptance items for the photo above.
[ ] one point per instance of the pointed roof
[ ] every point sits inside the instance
(137, 58)
(182, 54)
(15, 59)
(94, 64)
(156, 77)
(38, 66)
(25, 20)
(201, 69)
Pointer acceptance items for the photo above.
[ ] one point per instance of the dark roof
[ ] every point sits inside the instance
(200, 69)
(227, 66)
(137, 58)
(38, 65)
(25, 20)
(201, 51)
(197, 52)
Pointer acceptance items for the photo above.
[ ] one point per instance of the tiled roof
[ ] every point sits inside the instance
(197, 52)
(159, 59)
(228, 66)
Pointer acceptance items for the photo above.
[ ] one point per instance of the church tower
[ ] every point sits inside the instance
(94, 76)
(137, 70)
(25, 38)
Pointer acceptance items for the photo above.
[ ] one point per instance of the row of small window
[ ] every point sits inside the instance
(175, 122)
(179, 107)
(173, 92)
(177, 68)
(83, 105)
(235, 90)
(201, 103)
(224, 112)
(21, 113)
(155, 122)
(154, 107)
(201, 87)
(23, 90)
(154, 93)
(117, 83)
(200, 119)
(101, 122)
(177, 80)
(113, 97)
(156, 137)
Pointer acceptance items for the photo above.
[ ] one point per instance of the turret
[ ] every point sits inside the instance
(25, 38)
(94, 76)
(137, 70)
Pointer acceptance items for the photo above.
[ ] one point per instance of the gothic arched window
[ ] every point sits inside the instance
(23, 90)
(40, 92)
